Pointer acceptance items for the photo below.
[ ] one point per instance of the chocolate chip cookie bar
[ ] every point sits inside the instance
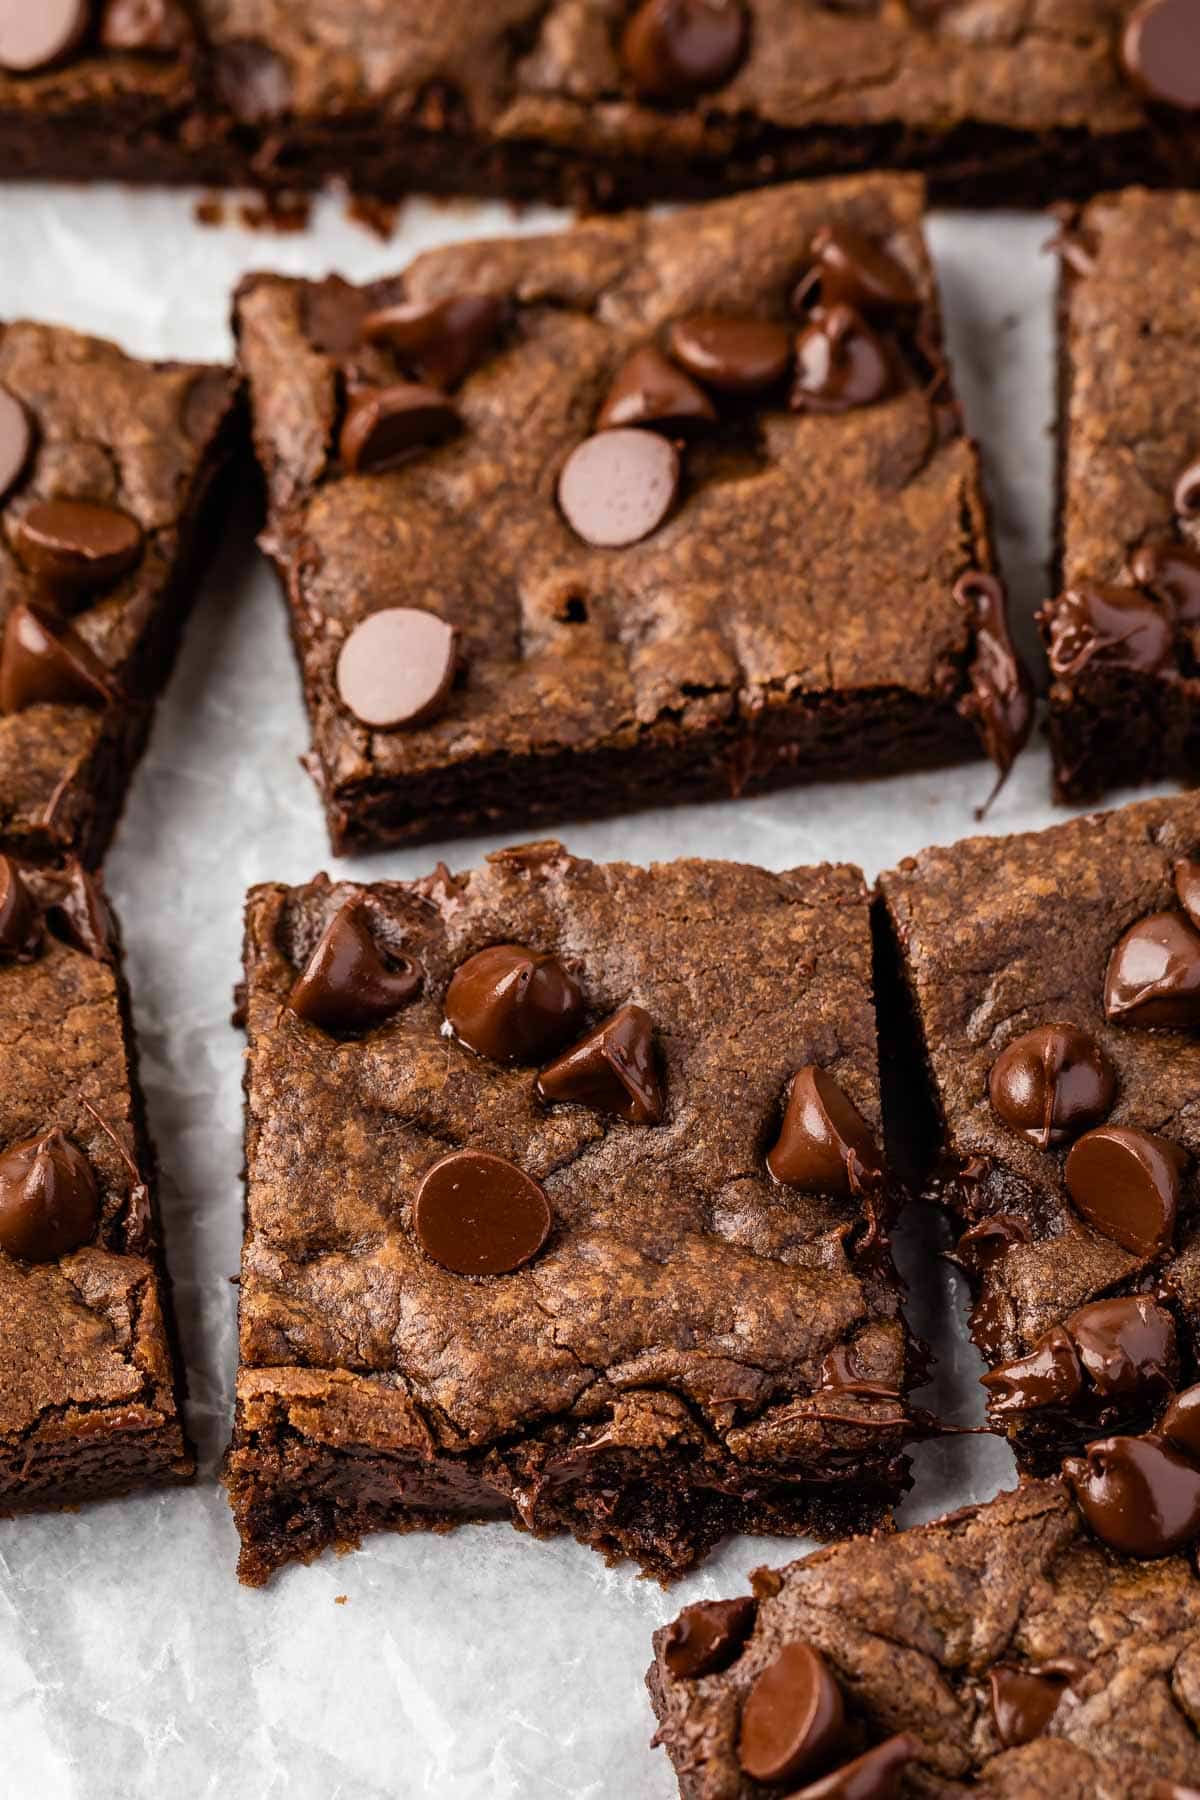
(651, 509)
(1004, 1651)
(105, 465)
(565, 1205)
(1054, 985)
(89, 1401)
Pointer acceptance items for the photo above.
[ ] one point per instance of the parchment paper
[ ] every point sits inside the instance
(132, 1667)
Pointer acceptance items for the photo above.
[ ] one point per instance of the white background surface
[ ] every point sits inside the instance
(132, 1667)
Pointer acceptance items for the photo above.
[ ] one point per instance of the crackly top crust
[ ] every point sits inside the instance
(911, 1625)
(133, 434)
(675, 1265)
(821, 555)
(1000, 935)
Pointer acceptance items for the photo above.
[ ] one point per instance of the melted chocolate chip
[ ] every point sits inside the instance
(76, 911)
(76, 545)
(385, 426)
(36, 34)
(1160, 53)
(346, 985)
(732, 354)
(674, 49)
(708, 1636)
(1051, 1083)
(1186, 876)
(1172, 574)
(1180, 1424)
(20, 920)
(984, 1244)
(1126, 1183)
(440, 340)
(512, 1004)
(850, 269)
(1001, 699)
(825, 1146)
(1023, 1703)
(1126, 1345)
(397, 667)
(45, 662)
(840, 363)
(1186, 495)
(612, 1070)
(16, 441)
(1138, 1494)
(49, 1205)
(1049, 1376)
(1117, 626)
(792, 1717)
(1153, 974)
(649, 390)
(618, 486)
(478, 1214)
(875, 1775)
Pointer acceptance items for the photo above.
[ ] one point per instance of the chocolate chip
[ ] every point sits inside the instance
(649, 390)
(439, 340)
(49, 1205)
(850, 269)
(1126, 1183)
(706, 1637)
(1023, 1703)
(478, 1214)
(20, 920)
(673, 49)
(1187, 492)
(1172, 574)
(253, 81)
(512, 1004)
(1153, 974)
(1180, 1424)
(875, 1775)
(1160, 52)
(840, 363)
(346, 985)
(147, 27)
(77, 913)
(1001, 698)
(45, 662)
(1051, 1083)
(385, 426)
(618, 486)
(1117, 626)
(397, 667)
(1186, 876)
(16, 440)
(76, 545)
(1049, 1376)
(1126, 1346)
(792, 1718)
(612, 1070)
(1139, 1495)
(825, 1146)
(733, 355)
(984, 1244)
(35, 34)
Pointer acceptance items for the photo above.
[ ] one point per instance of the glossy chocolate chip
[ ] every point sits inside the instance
(1126, 1183)
(649, 390)
(1153, 974)
(49, 1205)
(45, 662)
(16, 440)
(708, 1636)
(1160, 53)
(1023, 1703)
(440, 340)
(1001, 698)
(875, 1775)
(478, 1214)
(825, 1146)
(851, 269)
(618, 486)
(1051, 1083)
(346, 984)
(1180, 1424)
(35, 34)
(385, 426)
(673, 49)
(512, 1004)
(840, 363)
(1138, 1494)
(792, 1717)
(1172, 574)
(147, 27)
(77, 913)
(1118, 626)
(397, 667)
(1186, 496)
(1126, 1346)
(20, 919)
(77, 545)
(612, 1070)
(732, 354)
(1186, 877)
(1049, 1376)
(984, 1244)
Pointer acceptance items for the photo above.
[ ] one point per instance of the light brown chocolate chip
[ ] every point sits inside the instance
(16, 441)
(618, 486)
(45, 662)
(77, 545)
(397, 667)
(674, 49)
(649, 390)
(1160, 52)
(732, 354)
(792, 1719)
(35, 34)
(385, 426)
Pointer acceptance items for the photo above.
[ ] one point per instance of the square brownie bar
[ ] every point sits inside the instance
(1122, 634)
(643, 1295)
(1053, 980)
(1000, 1652)
(770, 564)
(89, 1396)
(105, 464)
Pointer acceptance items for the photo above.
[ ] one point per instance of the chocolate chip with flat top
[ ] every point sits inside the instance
(1126, 1345)
(385, 426)
(649, 390)
(16, 440)
(45, 662)
(49, 1204)
(1051, 1083)
(77, 545)
(346, 984)
(850, 269)
(1153, 974)
(618, 486)
(825, 1146)
(707, 1637)
(20, 920)
(792, 1718)
(1126, 1183)
(734, 355)
(478, 1214)
(840, 363)
(612, 1070)
(512, 1004)
(397, 667)
(1160, 52)
(673, 49)
(440, 340)
(1049, 1376)
(36, 34)
(1171, 572)
(1138, 1494)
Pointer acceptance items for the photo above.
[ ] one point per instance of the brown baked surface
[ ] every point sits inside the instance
(613, 1387)
(912, 1626)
